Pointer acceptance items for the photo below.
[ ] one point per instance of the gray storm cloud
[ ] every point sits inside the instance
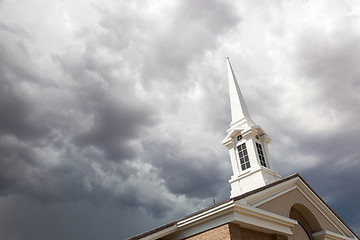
(112, 113)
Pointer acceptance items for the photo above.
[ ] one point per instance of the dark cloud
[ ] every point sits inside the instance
(334, 182)
(53, 131)
(161, 51)
(322, 136)
(329, 63)
(192, 31)
(112, 127)
(24, 218)
(76, 135)
(17, 119)
(15, 105)
(183, 174)
(115, 126)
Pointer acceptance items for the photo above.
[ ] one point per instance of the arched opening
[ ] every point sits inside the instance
(308, 224)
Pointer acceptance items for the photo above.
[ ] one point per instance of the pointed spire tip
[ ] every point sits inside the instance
(239, 109)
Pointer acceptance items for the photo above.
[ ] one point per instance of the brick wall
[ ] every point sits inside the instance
(234, 232)
(239, 233)
(218, 233)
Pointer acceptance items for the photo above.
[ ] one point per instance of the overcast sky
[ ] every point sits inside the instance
(113, 112)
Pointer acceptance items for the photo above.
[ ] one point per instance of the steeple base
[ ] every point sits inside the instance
(251, 180)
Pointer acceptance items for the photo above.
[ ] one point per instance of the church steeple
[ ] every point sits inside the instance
(239, 109)
(247, 145)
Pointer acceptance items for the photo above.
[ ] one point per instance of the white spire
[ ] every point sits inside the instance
(247, 145)
(239, 109)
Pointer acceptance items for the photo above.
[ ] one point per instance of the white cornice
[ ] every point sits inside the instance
(253, 171)
(261, 219)
(270, 193)
(161, 233)
(245, 212)
(211, 213)
(262, 197)
(235, 212)
(327, 235)
(247, 131)
(324, 209)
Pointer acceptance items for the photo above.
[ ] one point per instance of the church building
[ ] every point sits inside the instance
(262, 204)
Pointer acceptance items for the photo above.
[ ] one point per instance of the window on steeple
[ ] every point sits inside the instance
(239, 138)
(243, 156)
(261, 154)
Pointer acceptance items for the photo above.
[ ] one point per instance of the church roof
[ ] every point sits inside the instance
(237, 198)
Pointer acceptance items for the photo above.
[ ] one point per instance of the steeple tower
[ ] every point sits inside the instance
(239, 109)
(247, 145)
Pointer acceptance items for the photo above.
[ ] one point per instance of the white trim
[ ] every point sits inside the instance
(274, 196)
(247, 172)
(203, 225)
(238, 213)
(244, 212)
(263, 219)
(296, 183)
(328, 235)
(206, 214)
(270, 193)
(318, 208)
(323, 208)
(252, 170)
(161, 233)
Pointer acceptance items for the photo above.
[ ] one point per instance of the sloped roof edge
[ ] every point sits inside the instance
(173, 223)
